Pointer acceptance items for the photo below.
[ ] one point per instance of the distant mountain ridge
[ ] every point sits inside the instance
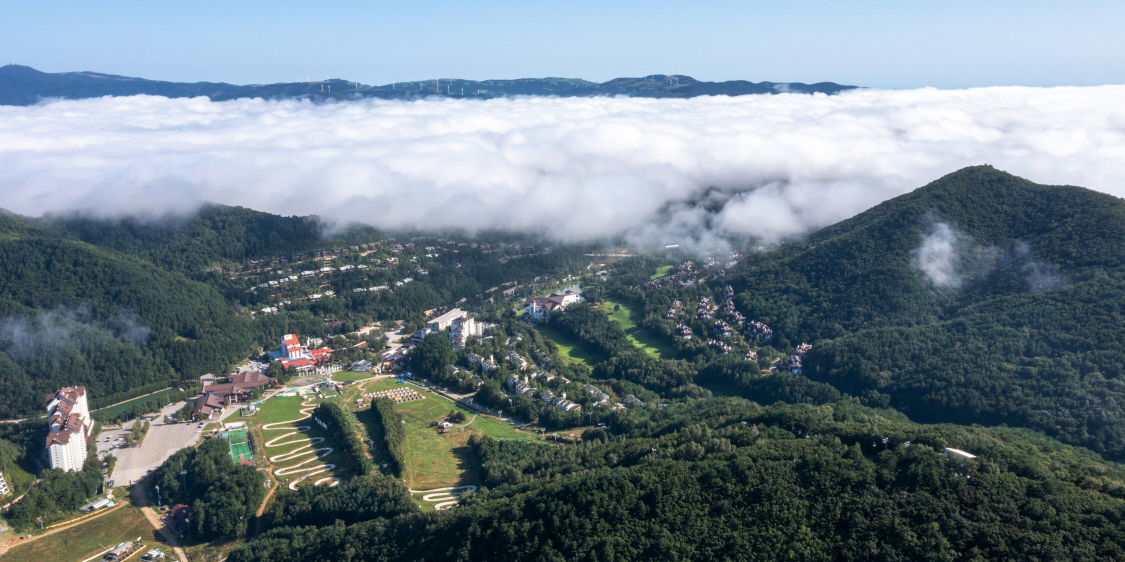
(23, 85)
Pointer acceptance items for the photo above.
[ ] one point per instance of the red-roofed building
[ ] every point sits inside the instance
(540, 308)
(302, 364)
(178, 515)
(238, 388)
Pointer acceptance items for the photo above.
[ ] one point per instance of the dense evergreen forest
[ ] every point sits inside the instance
(726, 479)
(223, 495)
(210, 237)
(77, 314)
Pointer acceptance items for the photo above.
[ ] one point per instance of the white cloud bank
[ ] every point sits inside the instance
(665, 171)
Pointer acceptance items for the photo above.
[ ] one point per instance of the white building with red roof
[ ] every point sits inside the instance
(291, 347)
(540, 308)
(68, 419)
(293, 355)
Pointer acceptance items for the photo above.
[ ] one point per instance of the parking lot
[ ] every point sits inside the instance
(160, 443)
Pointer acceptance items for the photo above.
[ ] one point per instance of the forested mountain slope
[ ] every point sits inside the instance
(725, 479)
(213, 234)
(72, 313)
(980, 298)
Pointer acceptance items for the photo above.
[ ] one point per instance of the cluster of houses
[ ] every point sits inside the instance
(516, 360)
(559, 401)
(518, 385)
(486, 365)
(704, 309)
(680, 279)
(796, 359)
(602, 397)
(69, 428)
(374, 289)
(322, 254)
(674, 310)
(719, 347)
(258, 265)
(759, 331)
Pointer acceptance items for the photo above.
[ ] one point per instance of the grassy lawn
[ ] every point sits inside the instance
(348, 376)
(500, 430)
(571, 349)
(436, 460)
(275, 410)
(433, 460)
(113, 411)
(87, 539)
(662, 271)
(627, 317)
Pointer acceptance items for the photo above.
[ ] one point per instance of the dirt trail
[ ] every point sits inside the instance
(141, 501)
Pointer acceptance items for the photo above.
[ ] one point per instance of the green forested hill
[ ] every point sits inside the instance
(980, 298)
(73, 313)
(215, 233)
(724, 479)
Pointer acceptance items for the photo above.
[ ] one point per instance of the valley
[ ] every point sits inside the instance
(471, 395)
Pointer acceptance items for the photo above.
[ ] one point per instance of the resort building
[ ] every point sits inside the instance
(69, 425)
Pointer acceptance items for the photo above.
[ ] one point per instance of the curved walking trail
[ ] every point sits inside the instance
(447, 497)
(299, 467)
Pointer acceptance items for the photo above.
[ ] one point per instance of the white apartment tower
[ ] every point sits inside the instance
(68, 417)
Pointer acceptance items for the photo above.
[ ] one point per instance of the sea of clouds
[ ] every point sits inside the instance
(655, 171)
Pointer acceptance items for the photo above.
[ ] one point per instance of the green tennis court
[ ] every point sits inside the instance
(240, 446)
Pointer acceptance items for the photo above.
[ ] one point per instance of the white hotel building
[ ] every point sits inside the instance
(68, 416)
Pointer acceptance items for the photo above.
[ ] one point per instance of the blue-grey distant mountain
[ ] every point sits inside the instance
(23, 85)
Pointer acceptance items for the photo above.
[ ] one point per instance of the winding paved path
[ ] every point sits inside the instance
(318, 453)
(447, 497)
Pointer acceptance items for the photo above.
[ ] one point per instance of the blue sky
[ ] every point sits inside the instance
(889, 44)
